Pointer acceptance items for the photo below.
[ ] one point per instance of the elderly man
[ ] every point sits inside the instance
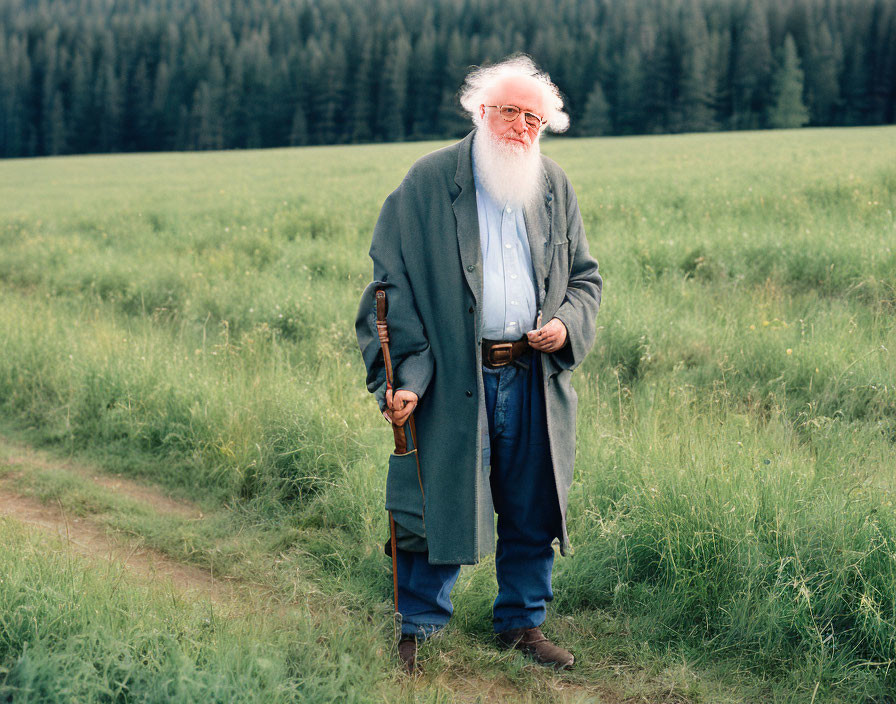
(492, 297)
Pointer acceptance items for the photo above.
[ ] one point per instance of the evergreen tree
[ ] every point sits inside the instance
(452, 120)
(719, 96)
(752, 67)
(26, 117)
(213, 136)
(82, 113)
(596, 120)
(332, 96)
(256, 70)
(55, 135)
(659, 77)
(138, 125)
(236, 115)
(882, 61)
(693, 108)
(788, 109)
(363, 106)
(205, 120)
(7, 99)
(822, 89)
(391, 112)
(109, 99)
(163, 109)
(52, 118)
(281, 114)
(10, 105)
(424, 88)
(888, 67)
(630, 91)
(320, 119)
(298, 133)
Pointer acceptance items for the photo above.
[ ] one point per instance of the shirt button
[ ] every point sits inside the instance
(469, 394)
(509, 210)
(509, 246)
(513, 276)
(513, 303)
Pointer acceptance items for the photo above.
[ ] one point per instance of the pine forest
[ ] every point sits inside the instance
(83, 76)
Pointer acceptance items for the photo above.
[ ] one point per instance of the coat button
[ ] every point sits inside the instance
(472, 309)
(470, 267)
(469, 394)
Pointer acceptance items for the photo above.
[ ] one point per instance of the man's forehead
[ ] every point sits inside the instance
(522, 91)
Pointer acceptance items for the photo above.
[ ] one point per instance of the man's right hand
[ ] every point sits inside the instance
(400, 406)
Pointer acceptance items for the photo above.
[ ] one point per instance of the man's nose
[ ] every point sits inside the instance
(519, 124)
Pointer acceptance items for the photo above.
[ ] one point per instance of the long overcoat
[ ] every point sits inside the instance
(427, 257)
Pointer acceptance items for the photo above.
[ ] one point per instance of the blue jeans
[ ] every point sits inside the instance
(525, 499)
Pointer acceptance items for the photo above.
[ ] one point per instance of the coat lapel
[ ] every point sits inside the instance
(538, 217)
(467, 217)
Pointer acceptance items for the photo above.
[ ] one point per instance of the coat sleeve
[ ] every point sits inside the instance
(583, 291)
(412, 358)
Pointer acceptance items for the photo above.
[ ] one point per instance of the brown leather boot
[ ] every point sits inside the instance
(534, 643)
(407, 653)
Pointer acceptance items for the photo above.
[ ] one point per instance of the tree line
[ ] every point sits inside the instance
(79, 76)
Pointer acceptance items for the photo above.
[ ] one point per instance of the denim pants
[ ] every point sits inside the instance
(525, 499)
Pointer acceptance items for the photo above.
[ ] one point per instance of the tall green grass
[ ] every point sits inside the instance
(79, 631)
(189, 318)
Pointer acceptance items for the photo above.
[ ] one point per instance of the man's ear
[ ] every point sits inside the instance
(482, 112)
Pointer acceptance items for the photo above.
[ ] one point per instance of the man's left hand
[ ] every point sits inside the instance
(549, 337)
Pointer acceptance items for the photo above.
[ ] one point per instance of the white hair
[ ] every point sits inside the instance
(481, 81)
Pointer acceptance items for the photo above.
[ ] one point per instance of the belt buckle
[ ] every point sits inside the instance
(500, 355)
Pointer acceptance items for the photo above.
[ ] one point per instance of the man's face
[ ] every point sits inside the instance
(524, 94)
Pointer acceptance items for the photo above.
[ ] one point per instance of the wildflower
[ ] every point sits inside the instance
(789, 351)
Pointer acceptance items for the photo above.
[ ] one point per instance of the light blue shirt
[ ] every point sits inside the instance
(508, 283)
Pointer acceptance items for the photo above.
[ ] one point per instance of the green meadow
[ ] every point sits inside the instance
(187, 320)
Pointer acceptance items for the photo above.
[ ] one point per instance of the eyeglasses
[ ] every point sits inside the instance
(511, 112)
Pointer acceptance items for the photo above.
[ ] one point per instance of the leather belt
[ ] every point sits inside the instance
(500, 353)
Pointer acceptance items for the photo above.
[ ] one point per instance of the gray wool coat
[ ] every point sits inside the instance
(427, 256)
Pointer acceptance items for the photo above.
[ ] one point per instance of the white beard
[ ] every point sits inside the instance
(511, 173)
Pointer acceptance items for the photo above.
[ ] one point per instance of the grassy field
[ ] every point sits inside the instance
(187, 320)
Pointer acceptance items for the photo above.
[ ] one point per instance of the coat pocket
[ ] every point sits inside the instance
(404, 495)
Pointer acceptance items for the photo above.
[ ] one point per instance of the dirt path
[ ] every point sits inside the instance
(91, 540)
(18, 455)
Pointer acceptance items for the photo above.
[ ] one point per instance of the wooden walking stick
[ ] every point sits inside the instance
(401, 440)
